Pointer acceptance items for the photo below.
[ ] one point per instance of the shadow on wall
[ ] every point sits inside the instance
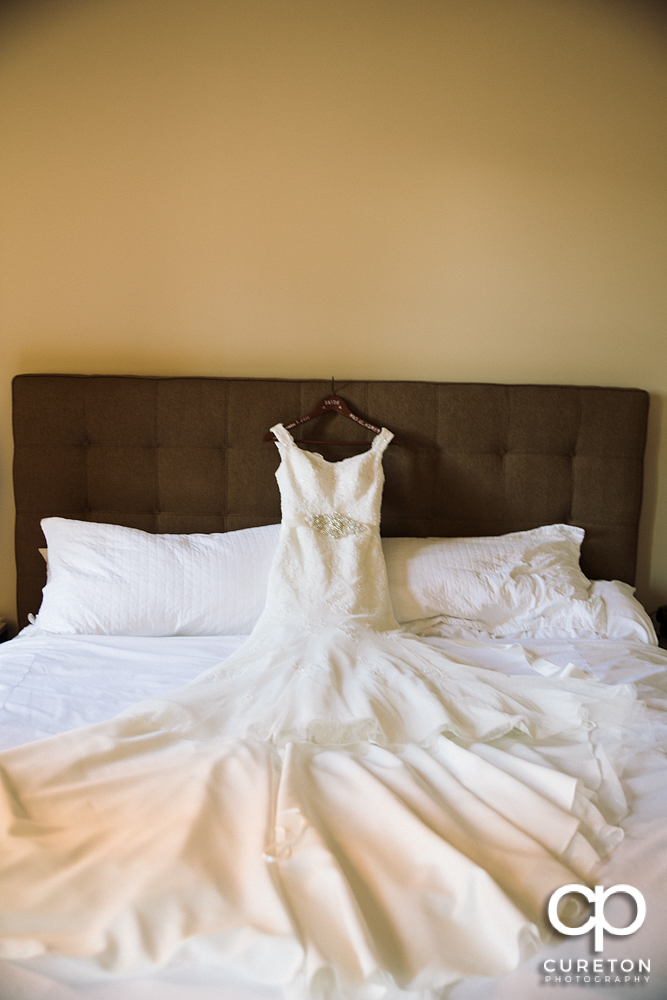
(16, 16)
(649, 504)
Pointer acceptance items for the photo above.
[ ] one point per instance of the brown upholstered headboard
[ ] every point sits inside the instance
(186, 454)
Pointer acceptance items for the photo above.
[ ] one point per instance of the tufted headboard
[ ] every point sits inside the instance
(186, 454)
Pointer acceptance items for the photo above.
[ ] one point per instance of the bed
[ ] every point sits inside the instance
(185, 456)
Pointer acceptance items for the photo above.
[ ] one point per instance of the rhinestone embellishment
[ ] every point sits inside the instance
(335, 525)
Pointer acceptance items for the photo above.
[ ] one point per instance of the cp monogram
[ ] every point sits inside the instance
(597, 897)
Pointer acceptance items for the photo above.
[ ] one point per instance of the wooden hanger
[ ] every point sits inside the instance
(336, 404)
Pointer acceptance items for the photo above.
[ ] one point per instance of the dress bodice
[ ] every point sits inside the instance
(311, 487)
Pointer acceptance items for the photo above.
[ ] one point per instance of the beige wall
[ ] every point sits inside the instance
(451, 190)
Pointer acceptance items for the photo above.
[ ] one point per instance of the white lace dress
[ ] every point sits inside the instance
(337, 808)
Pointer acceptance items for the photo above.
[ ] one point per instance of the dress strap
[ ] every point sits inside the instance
(281, 434)
(381, 440)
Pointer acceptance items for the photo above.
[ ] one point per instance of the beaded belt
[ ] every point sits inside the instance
(335, 525)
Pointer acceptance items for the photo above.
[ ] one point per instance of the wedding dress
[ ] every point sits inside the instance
(338, 808)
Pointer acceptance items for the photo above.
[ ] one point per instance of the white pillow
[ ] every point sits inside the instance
(495, 584)
(110, 580)
(626, 618)
(525, 585)
(105, 579)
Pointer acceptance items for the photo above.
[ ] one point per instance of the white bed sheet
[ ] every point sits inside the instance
(49, 684)
(52, 683)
